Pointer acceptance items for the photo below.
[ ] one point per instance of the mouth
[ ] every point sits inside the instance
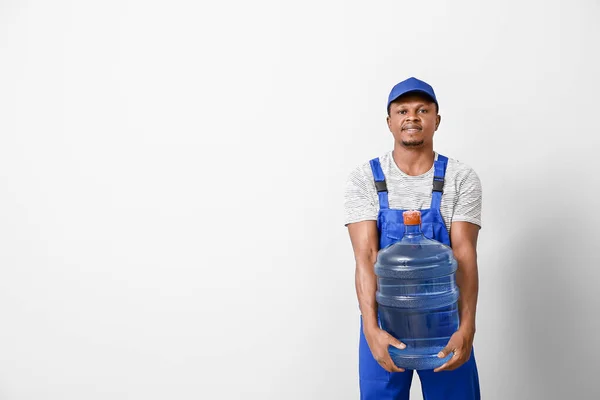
(410, 128)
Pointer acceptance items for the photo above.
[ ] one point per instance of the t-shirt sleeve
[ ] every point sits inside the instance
(469, 199)
(360, 198)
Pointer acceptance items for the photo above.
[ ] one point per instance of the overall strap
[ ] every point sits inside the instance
(438, 181)
(380, 184)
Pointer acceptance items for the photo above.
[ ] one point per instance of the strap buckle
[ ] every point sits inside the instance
(438, 184)
(380, 186)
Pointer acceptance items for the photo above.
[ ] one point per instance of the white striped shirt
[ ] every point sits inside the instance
(461, 199)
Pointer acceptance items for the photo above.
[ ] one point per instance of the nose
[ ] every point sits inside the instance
(412, 116)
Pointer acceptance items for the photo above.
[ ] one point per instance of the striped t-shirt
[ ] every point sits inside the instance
(461, 199)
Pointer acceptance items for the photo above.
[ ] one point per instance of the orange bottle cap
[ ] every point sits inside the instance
(412, 217)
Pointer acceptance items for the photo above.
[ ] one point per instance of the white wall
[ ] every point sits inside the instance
(171, 190)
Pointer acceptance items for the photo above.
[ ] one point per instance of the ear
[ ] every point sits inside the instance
(388, 120)
(437, 122)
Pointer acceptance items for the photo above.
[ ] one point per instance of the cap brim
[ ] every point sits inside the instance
(413, 91)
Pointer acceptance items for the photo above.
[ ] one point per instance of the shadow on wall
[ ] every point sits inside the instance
(551, 347)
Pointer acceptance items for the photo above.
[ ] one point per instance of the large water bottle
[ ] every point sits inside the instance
(417, 296)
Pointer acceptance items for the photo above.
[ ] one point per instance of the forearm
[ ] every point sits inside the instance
(468, 283)
(365, 242)
(366, 287)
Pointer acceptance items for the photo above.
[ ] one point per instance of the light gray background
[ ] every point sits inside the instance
(171, 190)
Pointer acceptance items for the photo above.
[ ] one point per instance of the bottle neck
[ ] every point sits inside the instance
(412, 230)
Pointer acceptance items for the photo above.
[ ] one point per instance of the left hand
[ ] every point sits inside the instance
(461, 343)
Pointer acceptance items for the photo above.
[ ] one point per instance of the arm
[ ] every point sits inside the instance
(463, 236)
(364, 239)
(464, 245)
(365, 243)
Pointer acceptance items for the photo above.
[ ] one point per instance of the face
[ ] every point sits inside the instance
(413, 120)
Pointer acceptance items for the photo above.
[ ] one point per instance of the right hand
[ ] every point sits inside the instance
(379, 341)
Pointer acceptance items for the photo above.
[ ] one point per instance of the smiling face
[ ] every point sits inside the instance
(413, 119)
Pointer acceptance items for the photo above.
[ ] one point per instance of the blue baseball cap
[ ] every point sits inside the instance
(411, 85)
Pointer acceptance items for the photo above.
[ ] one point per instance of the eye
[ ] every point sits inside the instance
(423, 110)
(402, 112)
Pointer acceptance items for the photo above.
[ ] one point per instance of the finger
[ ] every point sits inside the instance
(446, 350)
(396, 343)
(451, 364)
(394, 367)
(399, 345)
(441, 367)
(384, 365)
(388, 365)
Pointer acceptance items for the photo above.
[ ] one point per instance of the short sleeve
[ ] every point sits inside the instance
(360, 197)
(469, 199)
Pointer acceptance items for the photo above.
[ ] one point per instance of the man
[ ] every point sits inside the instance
(448, 193)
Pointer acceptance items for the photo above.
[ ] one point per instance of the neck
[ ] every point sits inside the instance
(413, 161)
(412, 230)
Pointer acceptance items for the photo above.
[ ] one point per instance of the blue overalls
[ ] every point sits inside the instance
(375, 382)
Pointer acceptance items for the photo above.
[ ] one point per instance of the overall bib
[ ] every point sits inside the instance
(375, 382)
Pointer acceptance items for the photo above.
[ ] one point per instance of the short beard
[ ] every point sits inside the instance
(412, 143)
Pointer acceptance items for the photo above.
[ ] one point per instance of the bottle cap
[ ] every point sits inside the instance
(412, 217)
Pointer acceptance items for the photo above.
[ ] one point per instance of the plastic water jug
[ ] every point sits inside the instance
(417, 296)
